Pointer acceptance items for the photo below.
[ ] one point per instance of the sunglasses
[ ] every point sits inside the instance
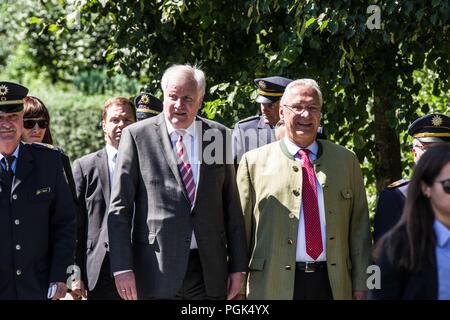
(30, 123)
(445, 185)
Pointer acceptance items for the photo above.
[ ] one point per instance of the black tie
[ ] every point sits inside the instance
(9, 174)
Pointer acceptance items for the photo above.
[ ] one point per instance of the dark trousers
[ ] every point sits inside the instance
(312, 285)
(105, 289)
(193, 287)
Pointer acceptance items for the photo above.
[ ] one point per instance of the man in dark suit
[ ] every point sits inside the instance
(93, 174)
(426, 131)
(37, 213)
(185, 238)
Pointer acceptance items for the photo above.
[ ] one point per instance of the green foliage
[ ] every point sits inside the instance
(374, 82)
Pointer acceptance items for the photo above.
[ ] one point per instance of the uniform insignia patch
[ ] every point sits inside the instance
(43, 190)
(436, 121)
(3, 90)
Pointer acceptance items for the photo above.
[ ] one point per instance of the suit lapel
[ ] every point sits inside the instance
(168, 151)
(25, 163)
(103, 172)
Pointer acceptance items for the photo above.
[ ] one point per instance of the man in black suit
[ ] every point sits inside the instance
(426, 131)
(93, 174)
(37, 213)
(185, 237)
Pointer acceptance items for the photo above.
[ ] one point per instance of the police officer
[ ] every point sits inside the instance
(37, 220)
(147, 106)
(426, 131)
(256, 131)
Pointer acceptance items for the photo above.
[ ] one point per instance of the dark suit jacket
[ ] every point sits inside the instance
(91, 176)
(147, 174)
(389, 210)
(399, 284)
(37, 225)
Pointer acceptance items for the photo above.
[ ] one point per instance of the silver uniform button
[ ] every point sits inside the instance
(14, 196)
(17, 222)
(18, 247)
(18, 272)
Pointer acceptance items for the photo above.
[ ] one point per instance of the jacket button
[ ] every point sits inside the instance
(18, 272)
(290, 241)
(14, 196)
(291, 215)
(17, 222)
(295, 168)
(296, 193)
(18, 247)
(287, 267)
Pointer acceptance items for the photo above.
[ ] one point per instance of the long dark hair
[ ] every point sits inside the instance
(412, 241)
(34, 108)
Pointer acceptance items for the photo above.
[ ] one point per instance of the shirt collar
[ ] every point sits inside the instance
(15, 153)
(110, 151)
(442, 233)
(293, 148)
(170, 129)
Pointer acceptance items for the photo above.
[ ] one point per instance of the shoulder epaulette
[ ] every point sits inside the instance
(46, 146)
(398, 183)
(249, 119)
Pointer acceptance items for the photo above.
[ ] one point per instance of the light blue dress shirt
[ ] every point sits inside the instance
(442, 259)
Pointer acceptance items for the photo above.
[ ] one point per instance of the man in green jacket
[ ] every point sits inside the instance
(305, 210)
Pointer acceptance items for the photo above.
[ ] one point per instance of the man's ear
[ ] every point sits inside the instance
(104, 126)
(281, 112)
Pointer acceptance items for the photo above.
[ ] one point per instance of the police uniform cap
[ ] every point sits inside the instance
(11, 97)
(147, 106)
(270, 89)
(433, 127)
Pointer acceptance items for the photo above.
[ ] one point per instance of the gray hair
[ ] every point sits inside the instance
(306, 83)
(196, 74)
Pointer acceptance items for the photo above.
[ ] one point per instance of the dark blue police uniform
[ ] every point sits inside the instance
(37, 214)
(431, 128)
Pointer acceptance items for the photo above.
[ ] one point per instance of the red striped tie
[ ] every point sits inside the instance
(313, 233)
(185, 169)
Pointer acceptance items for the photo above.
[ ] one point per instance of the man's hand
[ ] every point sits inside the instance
(61, 290)
(235, 282)
(78, 290)
(359, 295)
(126, 285)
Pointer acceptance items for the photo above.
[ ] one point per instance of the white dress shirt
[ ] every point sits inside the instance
(112, 155)
(301, 255)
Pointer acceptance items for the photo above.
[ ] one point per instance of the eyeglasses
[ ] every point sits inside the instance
(30, 123)
(298, 109)
(445, 185)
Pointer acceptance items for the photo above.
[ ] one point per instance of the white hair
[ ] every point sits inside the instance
(196, 74)
(306, 83)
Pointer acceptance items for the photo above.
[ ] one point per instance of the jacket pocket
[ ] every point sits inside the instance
(42, 197)
(257, 264)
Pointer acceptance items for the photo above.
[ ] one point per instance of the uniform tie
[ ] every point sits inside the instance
(313, 233)
(185, 169)
(8, 172)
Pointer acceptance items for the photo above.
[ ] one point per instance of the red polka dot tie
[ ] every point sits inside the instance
(313, 233)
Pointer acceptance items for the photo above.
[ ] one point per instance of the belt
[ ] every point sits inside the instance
(311, 266)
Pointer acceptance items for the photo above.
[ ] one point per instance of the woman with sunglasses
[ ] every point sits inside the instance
(414, 257)
(36, 121)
